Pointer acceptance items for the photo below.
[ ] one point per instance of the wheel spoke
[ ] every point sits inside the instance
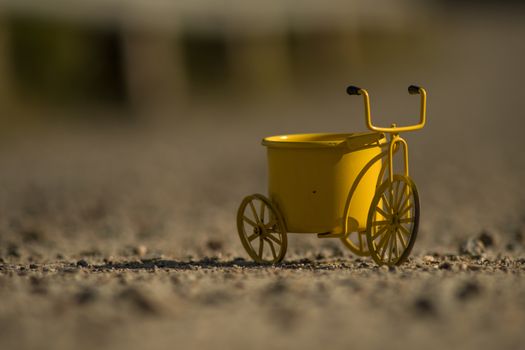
(255, 213)
(271, 247)
(401, 213)
(402, 228)
(271, 224)
(384, 246)
(382, 212)
(360, 240)
(270, 236)
(249, 221)
(394, 237)
(391, 245)
(402, 239)
(385, 202)
(253, 236)
(404, 221)
(383, 240)
(401, 195)
(378, 233)
(405, 202)
(261, 247)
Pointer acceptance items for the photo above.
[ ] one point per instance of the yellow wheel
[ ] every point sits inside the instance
(261, 229)
(393, 221)
(356, 242)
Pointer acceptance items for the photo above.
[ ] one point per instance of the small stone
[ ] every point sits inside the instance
(429, 259)
(472, 267)
(140, 250)
(82, 263)
(33, 266)
(445, 266)
(71, 270)
(486, 238)
(472, 247)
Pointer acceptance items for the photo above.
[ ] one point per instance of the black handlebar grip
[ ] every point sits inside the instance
(413, 89)
(352, 90)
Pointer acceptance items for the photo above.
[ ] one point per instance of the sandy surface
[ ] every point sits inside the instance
(123, 236)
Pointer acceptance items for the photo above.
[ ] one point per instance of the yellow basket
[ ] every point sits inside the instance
(310, 176)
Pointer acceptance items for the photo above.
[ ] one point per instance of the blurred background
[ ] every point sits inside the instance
(138, 123)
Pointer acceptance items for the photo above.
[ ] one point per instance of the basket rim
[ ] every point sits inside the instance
(324, 140)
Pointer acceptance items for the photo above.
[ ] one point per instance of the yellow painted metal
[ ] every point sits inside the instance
(261, 229)
(337, 185)
(393, 221)
(397, 129)
(310, 176)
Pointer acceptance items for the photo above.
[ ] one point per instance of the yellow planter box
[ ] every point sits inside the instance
(310, 176)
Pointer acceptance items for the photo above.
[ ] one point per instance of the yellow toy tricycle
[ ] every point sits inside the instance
(338, 186)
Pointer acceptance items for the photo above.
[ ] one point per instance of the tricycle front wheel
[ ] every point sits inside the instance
(261, 229)
(393, 221)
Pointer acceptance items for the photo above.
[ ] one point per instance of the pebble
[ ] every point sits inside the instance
(486, 238)
(82, 263)
(140, 250)
(472, 247)
(445, 266)
(429, 259)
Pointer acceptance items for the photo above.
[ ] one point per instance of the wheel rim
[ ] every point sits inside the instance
(393, 221)
(356, 242)
(261, 229)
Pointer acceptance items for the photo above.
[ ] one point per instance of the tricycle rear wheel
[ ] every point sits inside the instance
(356, 242)
(261, 229)
(393, 221)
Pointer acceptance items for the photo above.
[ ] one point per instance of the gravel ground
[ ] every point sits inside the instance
(433, 301)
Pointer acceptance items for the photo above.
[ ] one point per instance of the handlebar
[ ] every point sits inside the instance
(412, 89)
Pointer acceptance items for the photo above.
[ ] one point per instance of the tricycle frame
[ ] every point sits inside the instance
(395, 203)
